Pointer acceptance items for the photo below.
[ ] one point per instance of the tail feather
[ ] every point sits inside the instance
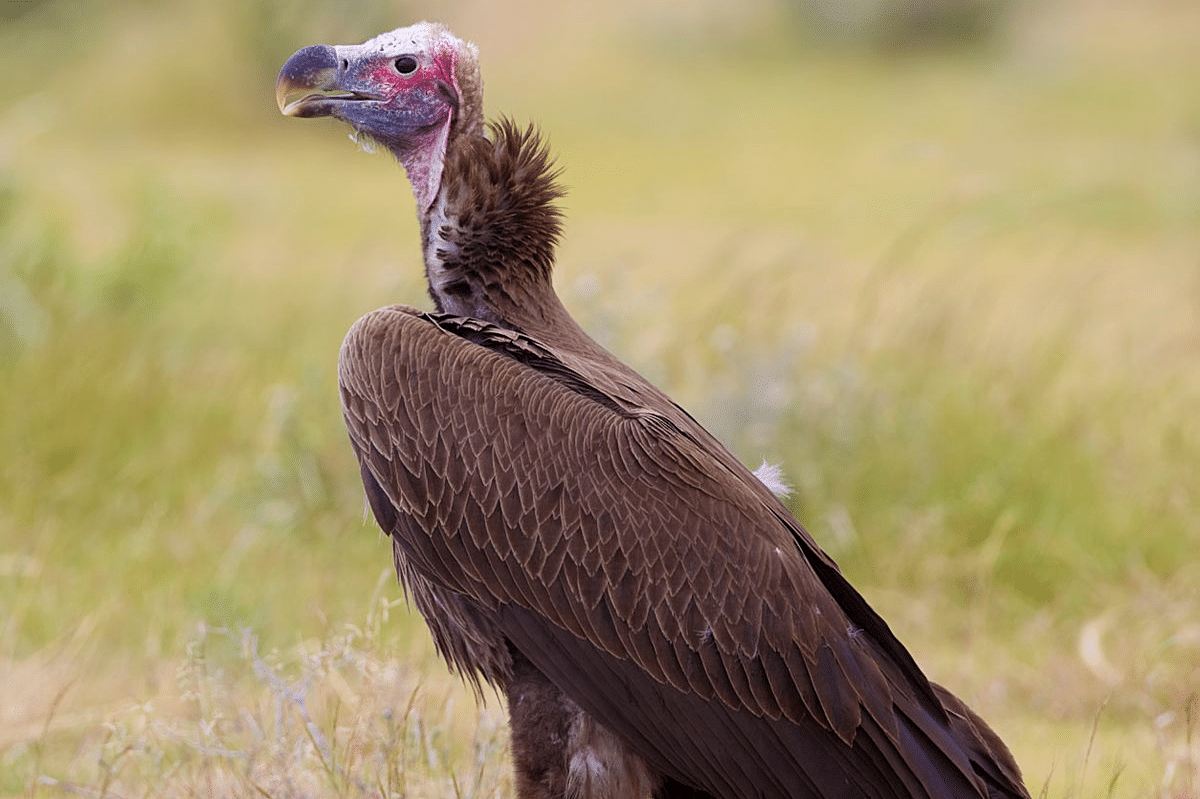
(989, 756)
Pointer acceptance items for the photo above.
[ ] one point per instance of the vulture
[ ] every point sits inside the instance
(657, 621)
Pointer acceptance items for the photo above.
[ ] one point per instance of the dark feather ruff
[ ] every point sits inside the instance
(503, 189)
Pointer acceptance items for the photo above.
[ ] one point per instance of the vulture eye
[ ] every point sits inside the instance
(406, 65)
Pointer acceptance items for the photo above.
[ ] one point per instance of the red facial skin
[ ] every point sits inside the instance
(413, 118)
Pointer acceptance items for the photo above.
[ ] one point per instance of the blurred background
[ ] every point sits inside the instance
(940, 259)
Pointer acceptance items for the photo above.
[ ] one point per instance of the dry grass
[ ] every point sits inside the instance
(342, 716)
(353, 714)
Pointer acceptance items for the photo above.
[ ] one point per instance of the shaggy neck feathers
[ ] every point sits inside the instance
(490, 234)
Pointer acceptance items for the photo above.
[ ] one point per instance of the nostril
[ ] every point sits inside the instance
(345, 64)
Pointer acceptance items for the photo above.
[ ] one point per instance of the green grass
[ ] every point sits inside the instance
(957, 296)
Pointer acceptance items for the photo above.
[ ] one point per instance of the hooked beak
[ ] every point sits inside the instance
(310, 84)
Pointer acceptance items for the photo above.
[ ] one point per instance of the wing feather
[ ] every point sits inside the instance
(604, 526)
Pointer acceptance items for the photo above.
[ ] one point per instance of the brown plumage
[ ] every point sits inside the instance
(658, 621)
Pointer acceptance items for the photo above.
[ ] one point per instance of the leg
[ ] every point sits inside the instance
(559, 752)
(539, 723)
(602, 766)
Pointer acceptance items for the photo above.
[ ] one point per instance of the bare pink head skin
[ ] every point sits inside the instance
(411, 90)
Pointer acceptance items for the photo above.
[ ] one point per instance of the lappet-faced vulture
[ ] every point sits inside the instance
(658, 621)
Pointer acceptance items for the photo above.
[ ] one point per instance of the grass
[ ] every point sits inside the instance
(342, 716)
(957, 296)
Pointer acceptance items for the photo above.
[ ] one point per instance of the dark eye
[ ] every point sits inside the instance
(406, 65)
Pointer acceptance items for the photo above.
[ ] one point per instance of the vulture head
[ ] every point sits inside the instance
(486, 197)
(412, 90)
